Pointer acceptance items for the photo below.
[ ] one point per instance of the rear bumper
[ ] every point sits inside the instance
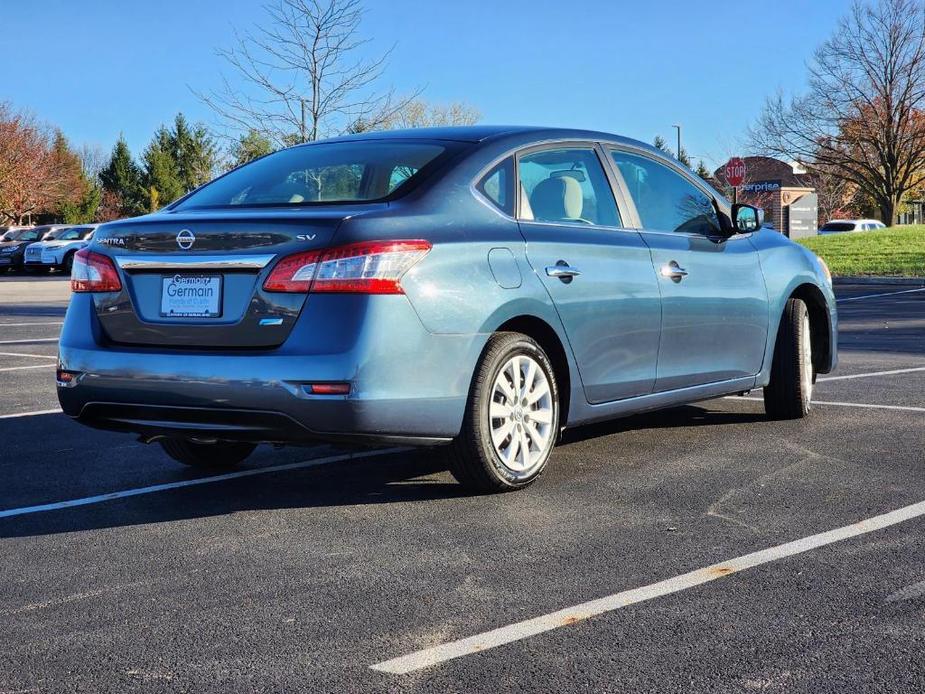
(407, 385)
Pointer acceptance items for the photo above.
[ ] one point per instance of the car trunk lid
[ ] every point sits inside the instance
(195, 280)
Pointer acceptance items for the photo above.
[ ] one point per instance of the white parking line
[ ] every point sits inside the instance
(28, 342)
(99, 498)
(428, 657)
(24, 368)
(20, 354)
(872, 373)
(904, 408)
(23, 325)
(874, 296)
(34, 413)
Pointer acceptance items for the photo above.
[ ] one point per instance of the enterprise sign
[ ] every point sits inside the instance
(761, 187)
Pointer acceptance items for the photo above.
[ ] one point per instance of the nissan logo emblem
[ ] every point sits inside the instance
(185, 239)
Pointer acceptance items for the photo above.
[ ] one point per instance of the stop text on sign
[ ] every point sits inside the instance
(735, 172)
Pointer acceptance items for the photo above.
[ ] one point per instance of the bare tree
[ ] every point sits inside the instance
(836, 196)
(421, 114)
(93, 159)
(304, 75)
(862, 119)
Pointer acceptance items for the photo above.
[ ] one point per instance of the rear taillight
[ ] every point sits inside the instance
(373, 267)
(93, 272)
(294, 273)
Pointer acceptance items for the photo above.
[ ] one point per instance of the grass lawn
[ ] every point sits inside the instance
(893, 252)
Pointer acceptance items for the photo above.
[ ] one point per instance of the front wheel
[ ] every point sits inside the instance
(512, 417)
(787, 395)
(216, 455)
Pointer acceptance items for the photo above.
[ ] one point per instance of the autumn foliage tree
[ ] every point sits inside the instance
(38, 170)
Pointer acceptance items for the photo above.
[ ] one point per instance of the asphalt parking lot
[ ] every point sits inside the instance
(321, 570)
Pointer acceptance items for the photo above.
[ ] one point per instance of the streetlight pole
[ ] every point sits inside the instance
(678, 128)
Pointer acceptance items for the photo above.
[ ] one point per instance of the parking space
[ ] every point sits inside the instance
(322, 569)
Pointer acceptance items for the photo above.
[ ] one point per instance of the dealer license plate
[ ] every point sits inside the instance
(191, 296)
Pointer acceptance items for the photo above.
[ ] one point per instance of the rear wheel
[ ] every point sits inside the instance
(788, 394)
(512, 417)
(220, 454)
(68, 263)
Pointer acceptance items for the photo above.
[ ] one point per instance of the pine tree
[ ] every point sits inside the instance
(161, 171)
(683, 157)
(68, 184)
(249, 147)
(122, 178)
(195, 153)
(703, 171)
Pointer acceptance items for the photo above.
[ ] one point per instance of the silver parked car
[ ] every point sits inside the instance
(56, 249)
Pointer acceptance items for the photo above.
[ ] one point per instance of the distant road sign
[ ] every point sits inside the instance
(735, 172)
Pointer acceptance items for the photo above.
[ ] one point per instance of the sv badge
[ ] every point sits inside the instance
(306, 237)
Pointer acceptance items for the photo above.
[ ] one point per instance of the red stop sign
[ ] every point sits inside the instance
(735, 172)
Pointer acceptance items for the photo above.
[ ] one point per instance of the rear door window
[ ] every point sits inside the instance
(566, 185)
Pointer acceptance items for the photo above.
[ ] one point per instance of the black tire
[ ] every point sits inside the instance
(788, 395)
(218, 455)
(68, 263)
(472, 457)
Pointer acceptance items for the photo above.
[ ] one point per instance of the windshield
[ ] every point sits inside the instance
(838, 226)
(61, 235)
(16, 234)
(324, 173)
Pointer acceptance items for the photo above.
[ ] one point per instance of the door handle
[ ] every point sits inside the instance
(673, 271)
(563, 271)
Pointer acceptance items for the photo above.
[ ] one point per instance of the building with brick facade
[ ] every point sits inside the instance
(782, 190)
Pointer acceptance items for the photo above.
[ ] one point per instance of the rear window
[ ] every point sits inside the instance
(324, 173)
(838, 226)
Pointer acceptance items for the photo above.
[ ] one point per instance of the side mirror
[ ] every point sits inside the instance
(747, 218)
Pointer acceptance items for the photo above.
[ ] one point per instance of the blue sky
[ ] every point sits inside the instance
(100, 67)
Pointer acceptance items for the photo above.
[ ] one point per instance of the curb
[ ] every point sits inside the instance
(902, 281)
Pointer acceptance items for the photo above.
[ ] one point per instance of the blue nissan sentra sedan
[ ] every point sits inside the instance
(476, 288)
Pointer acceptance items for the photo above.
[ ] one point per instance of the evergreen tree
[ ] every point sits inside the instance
(122, 179)
(683, 157)
(249, 147)
(195, 153)
(161, 171)
(68, 183)
(703, 171)
(85, 209)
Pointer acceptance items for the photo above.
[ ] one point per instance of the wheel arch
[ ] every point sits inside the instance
(819, 323)
(547, 338)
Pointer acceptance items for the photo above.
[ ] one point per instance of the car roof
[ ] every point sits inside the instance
(480, 133)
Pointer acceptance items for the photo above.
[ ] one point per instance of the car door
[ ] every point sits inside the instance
(714, 300)
(598, 273)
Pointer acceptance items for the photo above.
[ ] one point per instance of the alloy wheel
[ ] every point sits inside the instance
(521, 414)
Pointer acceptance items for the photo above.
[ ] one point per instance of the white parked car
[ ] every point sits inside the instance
(57, 248)
(838, 226)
